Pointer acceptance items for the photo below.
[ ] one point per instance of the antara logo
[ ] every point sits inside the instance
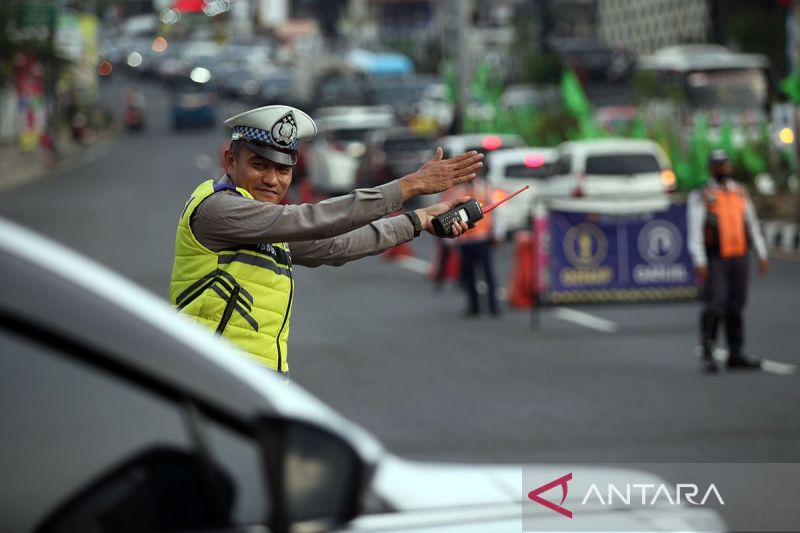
(562, 481)
(645, 493)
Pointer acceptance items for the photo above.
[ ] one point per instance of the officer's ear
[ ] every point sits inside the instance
(230, 156)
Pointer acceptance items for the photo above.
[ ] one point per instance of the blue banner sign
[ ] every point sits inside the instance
(620, 257)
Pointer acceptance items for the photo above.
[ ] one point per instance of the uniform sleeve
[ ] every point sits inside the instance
(226, 219)
(754, 229)
(371, 239)
(695, 219)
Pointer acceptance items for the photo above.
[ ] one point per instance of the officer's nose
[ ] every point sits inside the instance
(270, 176)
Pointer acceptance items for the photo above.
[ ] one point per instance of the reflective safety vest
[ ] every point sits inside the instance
(485, 195)
(244, 293)
(725, 228)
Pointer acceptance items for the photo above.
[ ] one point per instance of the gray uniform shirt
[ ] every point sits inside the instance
(331, 232)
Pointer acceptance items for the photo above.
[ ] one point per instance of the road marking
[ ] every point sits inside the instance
(413, 264)
(580, 318)
(767, 365)
(586, 320)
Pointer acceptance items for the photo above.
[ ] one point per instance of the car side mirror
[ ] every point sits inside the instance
(317, 479)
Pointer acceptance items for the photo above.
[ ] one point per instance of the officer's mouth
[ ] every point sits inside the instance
(268, 192)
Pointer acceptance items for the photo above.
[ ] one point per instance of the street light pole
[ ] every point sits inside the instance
(463, 64)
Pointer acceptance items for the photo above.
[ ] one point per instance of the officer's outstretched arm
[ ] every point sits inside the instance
(440, 174)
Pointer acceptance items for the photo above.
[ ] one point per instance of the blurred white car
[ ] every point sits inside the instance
(335, 154)
(121, 415)
(482, 142)
(619, 168)
(514, 168)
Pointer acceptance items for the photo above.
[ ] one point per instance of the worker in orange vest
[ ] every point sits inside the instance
(722, 226)
(476, 247)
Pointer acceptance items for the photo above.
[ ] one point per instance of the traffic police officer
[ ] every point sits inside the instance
(722, 226)
(235, 244)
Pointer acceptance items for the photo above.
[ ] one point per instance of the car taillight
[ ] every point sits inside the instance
(534, 160)
(668, 180)
(492, 142)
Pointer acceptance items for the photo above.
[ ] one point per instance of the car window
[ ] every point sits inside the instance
(524, 171)
(350, 134)
(562, 165)
(105, 446)
(621, 164)
(407, 144)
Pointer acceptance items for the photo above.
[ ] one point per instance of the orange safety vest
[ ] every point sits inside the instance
(725, 229)
(485, 194)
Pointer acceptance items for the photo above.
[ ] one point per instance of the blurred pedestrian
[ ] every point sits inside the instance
(476, 248)
(134, 109)
(236, 245)
(723, 225)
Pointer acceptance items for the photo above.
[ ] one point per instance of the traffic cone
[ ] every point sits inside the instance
(521, 286)
(452, 265)
(398, 252)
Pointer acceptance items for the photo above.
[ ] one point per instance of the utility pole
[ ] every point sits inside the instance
(462, 9)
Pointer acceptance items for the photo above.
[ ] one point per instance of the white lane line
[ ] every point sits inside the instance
(413, 264)
(767, 365)
(775, 367)
(586, 320)
(421, 266)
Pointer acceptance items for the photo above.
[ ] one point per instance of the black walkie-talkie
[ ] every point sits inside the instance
(470, 212)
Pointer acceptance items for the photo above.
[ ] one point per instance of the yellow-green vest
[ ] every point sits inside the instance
(244, 294)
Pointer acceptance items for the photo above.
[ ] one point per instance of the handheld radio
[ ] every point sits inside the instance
(470, 212)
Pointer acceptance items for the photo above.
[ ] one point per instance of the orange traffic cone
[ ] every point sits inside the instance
(521, 294)
(399, 251)
(450, 271)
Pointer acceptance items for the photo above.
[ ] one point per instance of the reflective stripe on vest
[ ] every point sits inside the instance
(726, 210)
(244, 294)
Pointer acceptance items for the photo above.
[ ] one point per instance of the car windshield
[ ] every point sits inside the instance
(524, 171)
(351, 134)
(406, 144)
(621, 164)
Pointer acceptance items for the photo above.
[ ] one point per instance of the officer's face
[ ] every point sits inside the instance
(721, 169)
(265, 180)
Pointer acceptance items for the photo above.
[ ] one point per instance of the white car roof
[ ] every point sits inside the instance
(345, 117)
(612, 145)
(461, 142)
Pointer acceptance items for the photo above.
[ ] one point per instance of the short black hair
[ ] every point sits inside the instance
(236, 148)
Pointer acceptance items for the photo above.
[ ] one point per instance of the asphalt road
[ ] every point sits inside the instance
(374, 340)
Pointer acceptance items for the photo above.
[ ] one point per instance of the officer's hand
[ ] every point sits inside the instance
(440, 174)
(426, 216)
(701, 273)
(763, 267)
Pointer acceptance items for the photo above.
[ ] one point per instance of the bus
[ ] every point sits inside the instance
(710, 79)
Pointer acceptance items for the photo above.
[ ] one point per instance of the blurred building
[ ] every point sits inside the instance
(644, 26)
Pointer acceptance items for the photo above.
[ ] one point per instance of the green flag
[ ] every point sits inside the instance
(726, 139)
(700, 149)
(572, 94)
(638, 128)
(790, 86)
(450, 82)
